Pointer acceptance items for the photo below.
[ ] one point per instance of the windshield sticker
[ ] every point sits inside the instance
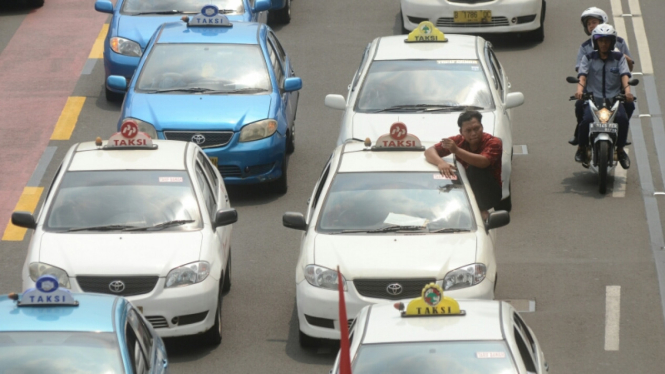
(475, 62)
(441, 176)
(170, 179)
(490, 355)
(475, 68)
(404, 220)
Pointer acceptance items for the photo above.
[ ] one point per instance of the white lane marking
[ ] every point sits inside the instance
(619, 23)
(520, 150)
(641, 37)
(612, 317)
(620, 180)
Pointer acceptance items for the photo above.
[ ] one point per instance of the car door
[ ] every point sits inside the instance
(284, 69)
(215, 199)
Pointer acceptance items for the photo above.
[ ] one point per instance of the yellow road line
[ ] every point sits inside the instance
(27, 202)
(98, 48)
(68, 118)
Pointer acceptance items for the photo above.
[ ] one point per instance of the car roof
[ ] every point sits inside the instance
(169, 155)
(355, 158)
(457, 47)
(481, 322)
(239, 33)
(94, 313)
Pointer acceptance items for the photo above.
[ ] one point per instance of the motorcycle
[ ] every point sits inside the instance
(603, 133)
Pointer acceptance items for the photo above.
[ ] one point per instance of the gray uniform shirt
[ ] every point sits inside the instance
(603, 77)
(587, 47)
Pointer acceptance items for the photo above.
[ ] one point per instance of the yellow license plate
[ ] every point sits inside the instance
(213, 160)
(473, 16)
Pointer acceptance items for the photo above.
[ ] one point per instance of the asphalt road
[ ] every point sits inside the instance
(564, 246)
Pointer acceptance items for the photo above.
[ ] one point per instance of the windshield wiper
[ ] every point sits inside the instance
(448, 230)
(426, 108)
(161, 226)
(241, 90)
(102, 228)
(165, 12)
(191, 89)
(397, 228)
(454, 108)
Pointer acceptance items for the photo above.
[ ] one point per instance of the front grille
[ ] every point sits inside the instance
(449, 22)
(206, 139)
(470, 1)
(378, 288)
(157, 322)
(131, 285)
(229, 171)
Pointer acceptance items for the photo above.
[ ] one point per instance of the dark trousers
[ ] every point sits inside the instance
(484, 186)
(579, 111)
(620, 118)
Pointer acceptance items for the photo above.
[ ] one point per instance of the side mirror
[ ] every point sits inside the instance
(24, 219)
(292, 84)
(104, 6)
(633, 82)
(117, 82)
(514, 99)
(261, 5)
(572, 80)
(225, 217)
(294, 220)
(277, 4)
(335, 102)
(498, 219)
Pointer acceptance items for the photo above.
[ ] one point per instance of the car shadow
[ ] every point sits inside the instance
(253, 194)
(103, 104)
(15, 8)
(323, 355)
(585, 183)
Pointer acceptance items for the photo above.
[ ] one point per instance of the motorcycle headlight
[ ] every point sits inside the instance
(604, 115)
(37, 269)
(318, 276)
(466, 276)
(188, 274)
(258, 130)
(143, 127)
(125, 47)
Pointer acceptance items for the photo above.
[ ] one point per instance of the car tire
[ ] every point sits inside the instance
(280, 186)
(538, 35)
(507, 203)
(113, 97)
(283, 16)
(401, 21)
(35, 3)
(214, 335)
(307, 341)
(290, 142)
(227, 276)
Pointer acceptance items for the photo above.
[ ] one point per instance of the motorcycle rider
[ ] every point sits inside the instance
(591, 18)
(604, 73)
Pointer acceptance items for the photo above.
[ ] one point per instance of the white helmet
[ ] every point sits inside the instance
(604, 31)
(594, 13)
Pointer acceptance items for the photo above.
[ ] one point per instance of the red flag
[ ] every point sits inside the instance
(345, 348)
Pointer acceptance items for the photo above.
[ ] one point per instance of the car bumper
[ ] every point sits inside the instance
(318, 306)
(117, 64)
(507, 15)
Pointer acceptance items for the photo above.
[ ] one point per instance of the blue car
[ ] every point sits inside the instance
(135, 21)
(49, 329)
(229, 88)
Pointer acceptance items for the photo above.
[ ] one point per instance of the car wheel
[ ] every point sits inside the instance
(283, 16)
(538, 35)
(291, 142)
(280, 185)
(214, 335)
(307, 341)
(401, 21)
(113, 97)
(227, 276)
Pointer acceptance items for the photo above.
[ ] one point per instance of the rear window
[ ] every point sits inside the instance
(184, 6)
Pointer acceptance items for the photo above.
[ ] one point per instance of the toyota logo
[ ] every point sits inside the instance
(117, 286)
(394, 289)
(198, 138)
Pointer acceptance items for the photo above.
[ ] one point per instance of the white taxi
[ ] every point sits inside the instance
(477, 16)
(148, 220)
(392, 223)
(427, 80)
(436, 333)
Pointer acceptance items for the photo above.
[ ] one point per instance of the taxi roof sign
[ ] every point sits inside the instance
(432, 303)
(398, 139)
(47, 293)
(129, 137)
(209, 16)
(425, 32)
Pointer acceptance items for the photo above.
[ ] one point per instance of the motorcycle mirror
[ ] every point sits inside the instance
(572, 80)
(633, 82)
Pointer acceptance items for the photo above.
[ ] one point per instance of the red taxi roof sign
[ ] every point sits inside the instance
(130, 137)
(398, 139)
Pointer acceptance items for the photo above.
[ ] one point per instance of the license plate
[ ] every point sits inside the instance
(472, 16)
(604, 127)
(213, 160)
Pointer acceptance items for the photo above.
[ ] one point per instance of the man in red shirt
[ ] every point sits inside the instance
(479, 152)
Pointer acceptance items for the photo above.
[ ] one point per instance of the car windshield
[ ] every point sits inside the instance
(375, 201)
(59, 353)
(434, 357)
(431, 83)
(126, 199)
(182, 6)
(213, 68)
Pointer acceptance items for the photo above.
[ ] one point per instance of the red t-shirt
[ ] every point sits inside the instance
(490, 147)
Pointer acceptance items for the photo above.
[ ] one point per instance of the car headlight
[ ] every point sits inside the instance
(188, 274)
(603, 115)
(318, 276)
(125, 47)
(258, 130)
(143, 127)
(466, 276)
(37, 269)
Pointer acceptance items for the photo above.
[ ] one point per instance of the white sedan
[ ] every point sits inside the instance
(147, 220)
(427, 85)
(473, 336)
(393, 224)
(477, 16)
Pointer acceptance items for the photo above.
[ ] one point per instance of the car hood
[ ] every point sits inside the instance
(120, 254)
(198, 112)
(395, 256)
(430, 127)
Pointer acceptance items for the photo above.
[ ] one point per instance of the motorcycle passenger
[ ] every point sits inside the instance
(604, 73)
(591, 18)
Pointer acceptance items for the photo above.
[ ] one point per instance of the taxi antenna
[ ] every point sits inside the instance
(98, 141)
(13, 296)
(185, 19)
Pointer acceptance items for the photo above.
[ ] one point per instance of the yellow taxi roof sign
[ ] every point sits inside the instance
(426, 32)
(432, 303)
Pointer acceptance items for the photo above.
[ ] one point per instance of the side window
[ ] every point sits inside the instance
(498, 73)
(278, 47)
(50, 189)
(525, 352)
(356, 77)
(525, 331)
(137, 353)
(276, 64)
(319, 188)
(203, 159)
(208, 196)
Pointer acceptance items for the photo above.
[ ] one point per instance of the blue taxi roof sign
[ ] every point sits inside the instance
(47, 293)
(209, 16)
(129, 137)
(398, 139)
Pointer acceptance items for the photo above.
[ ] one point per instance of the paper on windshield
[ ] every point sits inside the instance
(404, 220)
